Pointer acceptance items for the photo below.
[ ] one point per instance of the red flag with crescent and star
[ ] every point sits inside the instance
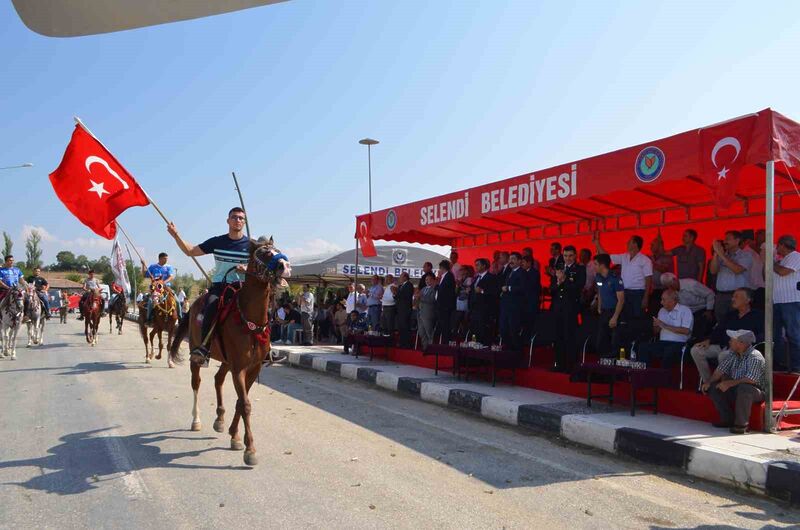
(723, 153)
(93, 185)
(363, 233)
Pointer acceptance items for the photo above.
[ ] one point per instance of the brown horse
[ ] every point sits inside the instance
(241, 341)
(117, 309)
(92, 306)
(165, 316)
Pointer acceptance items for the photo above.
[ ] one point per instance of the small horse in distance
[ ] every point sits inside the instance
(34, 311)
(92, 306)
(165, 316)
(117, 309)
(12, 307)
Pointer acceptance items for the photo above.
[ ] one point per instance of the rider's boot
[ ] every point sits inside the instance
(200, 355)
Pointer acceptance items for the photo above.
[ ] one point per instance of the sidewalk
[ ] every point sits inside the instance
(765, 463)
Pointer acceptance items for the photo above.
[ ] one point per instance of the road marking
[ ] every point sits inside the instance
(131, 480)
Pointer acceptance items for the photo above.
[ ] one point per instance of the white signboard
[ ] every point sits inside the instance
(381, 270)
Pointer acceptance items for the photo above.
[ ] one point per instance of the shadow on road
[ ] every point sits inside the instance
(85, 368)
(49, 346)
(85, 459)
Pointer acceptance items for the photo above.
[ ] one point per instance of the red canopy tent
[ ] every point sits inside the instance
(712, 179)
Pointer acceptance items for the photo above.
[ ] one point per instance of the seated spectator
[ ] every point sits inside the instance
(715, 345)
(697, 297)
(294, 321)
(611, 299)
(738, 382)
(280, 323)
(356, 325)
(426, 316)
(674, 324)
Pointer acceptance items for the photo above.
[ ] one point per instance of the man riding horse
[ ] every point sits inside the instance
(41, 286)
(230, 250)
(10, 276)
(158, 271)
(90, 285)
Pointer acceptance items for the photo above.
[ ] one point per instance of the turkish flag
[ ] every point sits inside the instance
(723, 153)
(93, 185)
(364, 235)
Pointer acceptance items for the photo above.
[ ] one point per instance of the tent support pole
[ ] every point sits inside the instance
(355, 282)
(769, 262)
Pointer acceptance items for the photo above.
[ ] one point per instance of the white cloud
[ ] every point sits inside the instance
(94, 243)
(312, 247)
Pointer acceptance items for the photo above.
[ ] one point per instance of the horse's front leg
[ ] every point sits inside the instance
(30, 333)
(219, 380)
(196, 424)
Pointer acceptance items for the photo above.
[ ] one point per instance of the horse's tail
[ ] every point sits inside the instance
(180, 334)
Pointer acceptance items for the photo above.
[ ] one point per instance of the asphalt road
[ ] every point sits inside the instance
(94, 438)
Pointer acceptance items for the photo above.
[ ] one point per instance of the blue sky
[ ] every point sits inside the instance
(459, 93)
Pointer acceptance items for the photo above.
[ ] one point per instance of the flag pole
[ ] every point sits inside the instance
(241, 201)
(149, 198)
(124, 233)
(133, 283)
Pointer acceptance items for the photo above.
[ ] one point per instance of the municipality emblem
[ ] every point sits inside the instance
(649, 164)
(391, 220)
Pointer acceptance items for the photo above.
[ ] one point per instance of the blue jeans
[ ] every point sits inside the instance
(45, 301)
(374, 316)
(288, 332)
(787, 317)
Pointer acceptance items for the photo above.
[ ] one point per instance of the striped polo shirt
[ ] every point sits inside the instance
(227, 253)
(785, 287)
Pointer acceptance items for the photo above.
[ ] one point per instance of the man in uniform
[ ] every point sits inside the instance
(610, 301)
(231, 250)
(569, 282)
(159, 271)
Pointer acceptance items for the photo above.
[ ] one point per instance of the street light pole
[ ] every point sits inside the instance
(369, 142)
(26, 164)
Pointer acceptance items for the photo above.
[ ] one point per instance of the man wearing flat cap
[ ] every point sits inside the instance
(738, 382)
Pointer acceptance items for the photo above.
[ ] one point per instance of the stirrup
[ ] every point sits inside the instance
(199, 355)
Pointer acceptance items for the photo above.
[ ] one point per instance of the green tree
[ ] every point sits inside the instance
(33, 251)
(81, 262)
(8, 245)
(65, 261)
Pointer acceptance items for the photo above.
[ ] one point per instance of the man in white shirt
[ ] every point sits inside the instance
(786, 301)
(637, 275)
(756, 271)
(181, 296)
(731, 264)
(350, 303)
(696, 296)
(307, 314)
(674, 324)
(388, 305)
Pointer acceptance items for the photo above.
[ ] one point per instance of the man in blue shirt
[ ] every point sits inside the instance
(159, 271)
(610, 301)
(9, 276)
(231, 255)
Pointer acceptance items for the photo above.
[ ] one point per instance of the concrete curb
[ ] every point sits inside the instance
(776, 478)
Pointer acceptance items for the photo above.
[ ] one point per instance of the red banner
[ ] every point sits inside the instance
(364, 237)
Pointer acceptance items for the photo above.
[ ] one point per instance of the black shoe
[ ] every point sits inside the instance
(722, 425)
(199, 355)
(739, 429)
(80, 317)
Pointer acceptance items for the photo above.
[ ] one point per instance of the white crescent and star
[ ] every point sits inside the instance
(99, 187)
(724, 142)
(362, 228)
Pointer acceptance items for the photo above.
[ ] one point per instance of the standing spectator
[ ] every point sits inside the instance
(786, 294)
(361, 299)
(691, 258)
(426, 316)
(528, 251)
(445, 300)
(403, 303)
(503, 267)
(483, 303)
(674, 324)
(731, 265)
(322, 322)
(637, 275)
(350, 304)
(662, 263)
(697, 297)
(340, 322)
(388, 309)
(512, 303)
(738, 382)
(374, 303)
(427, 268)
(610, 301)
(589, 288)
(455, 266)
(556, 260)
(463, 289)
(307, 315)
(181, 296)
(715, 345)
(756, 272)
(533, 292)
(570, 278)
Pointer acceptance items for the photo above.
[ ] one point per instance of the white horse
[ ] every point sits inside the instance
(34, 311)
(11, 310)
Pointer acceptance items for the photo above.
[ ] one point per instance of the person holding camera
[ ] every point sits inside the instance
(786, 300)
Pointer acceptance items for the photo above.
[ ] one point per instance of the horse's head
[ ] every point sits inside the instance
(267, 262)
(15, 300)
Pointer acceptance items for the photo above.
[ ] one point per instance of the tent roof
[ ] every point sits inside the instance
(651, 184)
(326, 270)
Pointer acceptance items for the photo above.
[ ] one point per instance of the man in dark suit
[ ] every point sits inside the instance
(445, 300)
(483, 302)
(512, 303)
(427, 268)
(533, 291)
(570, 280)
(403, 302)
(505, 268)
